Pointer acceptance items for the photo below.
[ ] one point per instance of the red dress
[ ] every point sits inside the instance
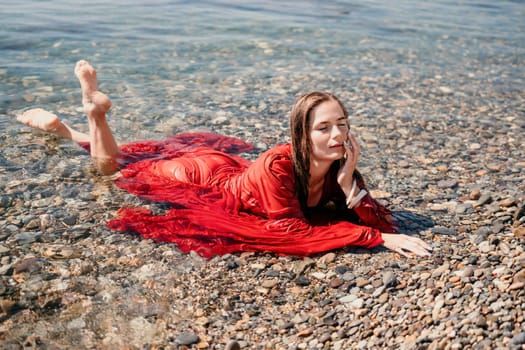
(221, 203)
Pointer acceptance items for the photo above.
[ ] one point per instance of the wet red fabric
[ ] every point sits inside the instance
(221, 203)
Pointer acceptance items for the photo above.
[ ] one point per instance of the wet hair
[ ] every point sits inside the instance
(300, 120)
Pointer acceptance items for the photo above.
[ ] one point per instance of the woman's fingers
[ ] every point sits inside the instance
(406, 245)
(352, 150)
(417, 247)
(354, 142)
(402, 252)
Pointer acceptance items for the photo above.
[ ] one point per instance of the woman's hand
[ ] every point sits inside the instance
(345, 175)
(405, 245)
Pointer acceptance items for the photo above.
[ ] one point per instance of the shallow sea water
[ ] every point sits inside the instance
(236, 66)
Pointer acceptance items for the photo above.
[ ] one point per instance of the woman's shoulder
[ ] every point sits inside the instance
(283, 151)
(276, 160)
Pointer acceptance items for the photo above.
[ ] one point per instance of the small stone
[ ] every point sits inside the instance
(32, 224)
(325, 337)
(270, 283)
(437, 309)
(508, 202)
(232, 345)
(69, 219)
(302, 281)
(61, 252)
(480, 321)
(475, 194)
(504, 247)
(257, 266)
(484, 199)
(361, 282)
(494, 167)
(447, 183)
(24, 238)
(519, 231)
(378, 291)
(519, 276)
(483, 231)
(4, 249)
(341, 269)
(485, 247)
(348, 298)
(357, 303)
(335, 283)
(468, 271)
(6, 305)
(520, 213)
(348, 276)
(463, 208)
(441, 230)
(5, 201)
(305, 332)
(445, 90)
(517, 285)
(327, 259)
(301, 266)
(220, 120)
(187, 339)
(31, 264)
(29, 97)
(440, 270)
(424, 276)
(438, 206)
(389, 279)
(454, 279)
(318, 275)
(518, 339)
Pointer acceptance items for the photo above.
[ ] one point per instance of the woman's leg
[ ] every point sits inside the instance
(104, 149)
(46, 121)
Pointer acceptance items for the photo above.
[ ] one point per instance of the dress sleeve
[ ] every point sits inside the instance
(372, 213)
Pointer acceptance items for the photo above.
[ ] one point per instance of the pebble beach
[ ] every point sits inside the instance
(441, 125)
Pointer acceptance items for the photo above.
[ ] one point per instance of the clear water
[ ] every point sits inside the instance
(161, 58)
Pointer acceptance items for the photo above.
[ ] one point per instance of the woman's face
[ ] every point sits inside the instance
(328, 131)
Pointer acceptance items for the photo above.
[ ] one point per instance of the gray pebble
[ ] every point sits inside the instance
(518, 339)
(389, 279)
(25, 238)
(232, 345)
(187, 339)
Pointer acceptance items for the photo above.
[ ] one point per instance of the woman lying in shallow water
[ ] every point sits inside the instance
(300, 198)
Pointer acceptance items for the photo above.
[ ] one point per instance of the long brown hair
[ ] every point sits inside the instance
(300, 134)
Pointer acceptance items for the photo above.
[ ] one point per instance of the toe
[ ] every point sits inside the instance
(80, 66)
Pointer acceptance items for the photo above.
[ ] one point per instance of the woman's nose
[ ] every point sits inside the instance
(337, 132)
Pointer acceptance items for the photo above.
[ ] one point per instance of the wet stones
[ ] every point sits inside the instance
(443, 150)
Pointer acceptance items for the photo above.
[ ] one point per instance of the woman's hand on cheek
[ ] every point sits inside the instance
(406, 245)
(346, 173)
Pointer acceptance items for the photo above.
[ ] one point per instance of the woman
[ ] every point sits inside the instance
(300, 198)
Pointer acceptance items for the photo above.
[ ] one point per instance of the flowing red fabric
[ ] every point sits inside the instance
(220, 203)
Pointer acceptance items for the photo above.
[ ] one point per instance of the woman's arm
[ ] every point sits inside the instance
(272, 183)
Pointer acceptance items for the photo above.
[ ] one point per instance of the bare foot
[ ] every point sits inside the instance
(96, 104)
(40, 119)
(43, 120)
